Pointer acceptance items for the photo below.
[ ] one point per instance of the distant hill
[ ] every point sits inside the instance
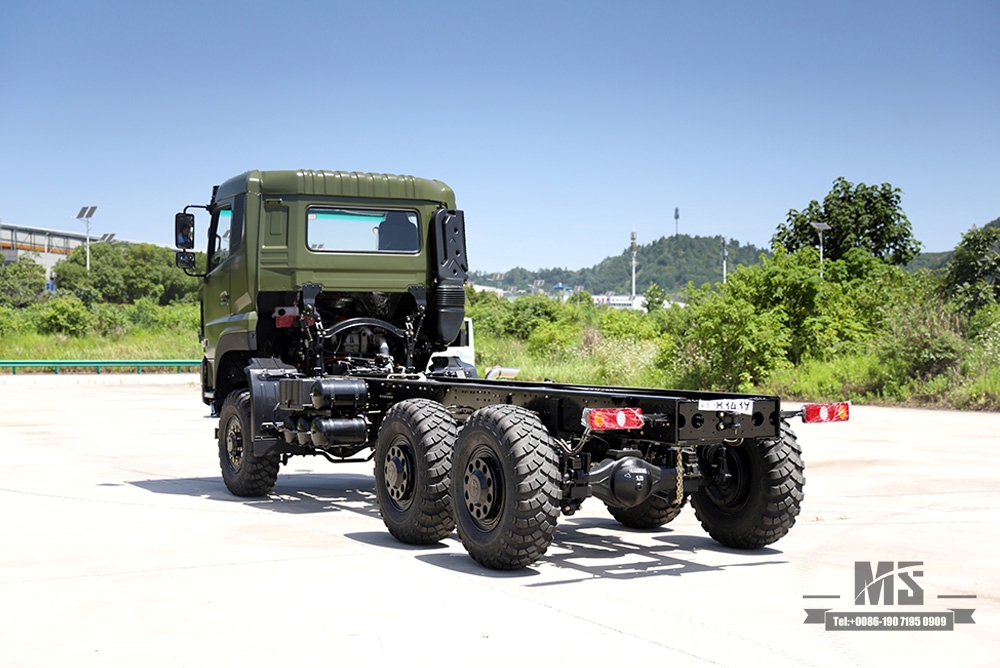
(930, 261)
(939, 260)
(670, 262)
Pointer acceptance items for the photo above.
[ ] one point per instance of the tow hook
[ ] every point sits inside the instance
(727, 421)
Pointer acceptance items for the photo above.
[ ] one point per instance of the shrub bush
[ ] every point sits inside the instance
(555, 340)
(922, 340)
(731, 345)
(64, 315)
(529, 312)
(622, 324)
(489, 313)
(145, 314)
(8, 321)
(110, 320)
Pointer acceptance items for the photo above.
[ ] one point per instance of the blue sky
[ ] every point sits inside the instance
(562, 126)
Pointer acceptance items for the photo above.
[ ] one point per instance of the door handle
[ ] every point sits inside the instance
(224, 298)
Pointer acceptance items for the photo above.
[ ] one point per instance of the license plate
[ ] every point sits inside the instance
(741, 406)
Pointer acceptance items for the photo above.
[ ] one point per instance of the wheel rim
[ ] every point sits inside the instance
(731, 495)
(483, 488)
(398, 468)
(234, 442)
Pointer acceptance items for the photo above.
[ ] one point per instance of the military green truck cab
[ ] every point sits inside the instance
(385, 255)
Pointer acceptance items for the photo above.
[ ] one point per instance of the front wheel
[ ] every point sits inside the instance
(505, 487)
(752, 492)
(244, 473)
(413, 471)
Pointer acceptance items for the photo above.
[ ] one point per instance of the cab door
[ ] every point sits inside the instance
(223, 331)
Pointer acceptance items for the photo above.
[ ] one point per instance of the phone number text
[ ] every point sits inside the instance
(889, 621)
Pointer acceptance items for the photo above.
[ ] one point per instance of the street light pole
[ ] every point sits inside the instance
(725, 256)
(633, 266)
(86, 213)
(820, 227)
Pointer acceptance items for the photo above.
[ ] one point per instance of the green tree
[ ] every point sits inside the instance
(124, 273)
(21, 282)
(581, 298)
(106, 275)
(973, 274)
(655, 297)
(859, 216)
(151, 274)
(823, 318)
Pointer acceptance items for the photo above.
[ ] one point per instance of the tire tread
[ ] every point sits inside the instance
(782, 498)
(433, 518)
(255, 476)
(534, 507)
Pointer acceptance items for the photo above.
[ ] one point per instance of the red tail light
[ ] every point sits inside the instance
(609, 419)
(837, 412)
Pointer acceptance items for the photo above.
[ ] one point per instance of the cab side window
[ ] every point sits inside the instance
(224, 235)
(228, 222)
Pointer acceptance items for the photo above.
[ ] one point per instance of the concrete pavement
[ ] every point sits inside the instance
(119, 545)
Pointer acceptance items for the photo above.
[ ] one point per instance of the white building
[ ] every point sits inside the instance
(49, 246)
(621, 301)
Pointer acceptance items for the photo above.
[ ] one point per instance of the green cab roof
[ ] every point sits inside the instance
(339, 184)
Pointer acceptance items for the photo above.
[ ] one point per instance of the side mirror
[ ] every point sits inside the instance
(184, 260)
(184, 233)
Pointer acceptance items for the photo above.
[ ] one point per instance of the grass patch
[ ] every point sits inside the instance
(168, 344)
(598, 361)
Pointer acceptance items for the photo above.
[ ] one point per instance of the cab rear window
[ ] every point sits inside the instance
(362, 230)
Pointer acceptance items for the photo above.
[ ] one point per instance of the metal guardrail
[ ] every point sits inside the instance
(98, 364)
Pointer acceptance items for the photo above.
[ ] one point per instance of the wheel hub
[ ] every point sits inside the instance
(731, 487)
(398, 471)
(482, 491)
(478, 483)
(393, 471)
(234, 443)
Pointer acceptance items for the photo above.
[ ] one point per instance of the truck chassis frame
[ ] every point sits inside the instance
(501, 460)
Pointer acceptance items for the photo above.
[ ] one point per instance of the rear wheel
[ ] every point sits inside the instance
(652, 513)
(413, 471)
(244, 473)
(752, 492)
(505, 486)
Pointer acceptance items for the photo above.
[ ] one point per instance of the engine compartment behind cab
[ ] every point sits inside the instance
(367, 330)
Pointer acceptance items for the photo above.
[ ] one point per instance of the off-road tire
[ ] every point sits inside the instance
(244, 473)
(413, 471)
(761, 503)
(652, 513)
(505, 487)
